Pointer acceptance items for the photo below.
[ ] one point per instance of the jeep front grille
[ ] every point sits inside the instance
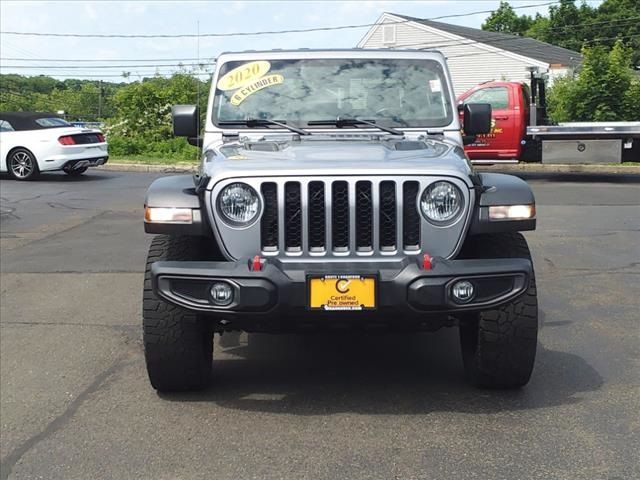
(340, 217)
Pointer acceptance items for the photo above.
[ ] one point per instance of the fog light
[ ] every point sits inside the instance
(221, 293)
(462, 291)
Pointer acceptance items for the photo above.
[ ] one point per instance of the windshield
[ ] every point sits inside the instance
(391, 92)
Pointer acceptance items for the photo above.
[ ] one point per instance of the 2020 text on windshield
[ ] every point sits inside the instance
(313, 92)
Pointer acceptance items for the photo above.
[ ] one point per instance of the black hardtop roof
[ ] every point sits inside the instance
(26, 120)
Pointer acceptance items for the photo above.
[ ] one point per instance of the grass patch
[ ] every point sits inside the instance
(149, 160)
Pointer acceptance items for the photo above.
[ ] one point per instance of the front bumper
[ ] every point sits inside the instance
(280, 290)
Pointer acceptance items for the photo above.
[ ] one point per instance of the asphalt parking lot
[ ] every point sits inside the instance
(76, 404)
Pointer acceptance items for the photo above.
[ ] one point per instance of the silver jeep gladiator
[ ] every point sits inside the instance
(333, 194)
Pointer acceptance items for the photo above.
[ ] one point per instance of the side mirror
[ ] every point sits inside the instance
(477, 118)
(186, 120)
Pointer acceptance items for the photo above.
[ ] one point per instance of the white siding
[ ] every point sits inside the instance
(470, 63)
(556, 73)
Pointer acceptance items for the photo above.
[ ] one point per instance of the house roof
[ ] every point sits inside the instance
(527, 47)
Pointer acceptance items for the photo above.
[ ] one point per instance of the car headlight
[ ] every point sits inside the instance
(239, 204)
(441, 202)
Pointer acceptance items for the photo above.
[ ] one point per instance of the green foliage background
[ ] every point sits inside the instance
(137, 115)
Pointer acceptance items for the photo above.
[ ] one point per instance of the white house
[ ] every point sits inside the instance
(474, 55)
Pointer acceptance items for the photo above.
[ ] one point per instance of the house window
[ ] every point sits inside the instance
(388, 34)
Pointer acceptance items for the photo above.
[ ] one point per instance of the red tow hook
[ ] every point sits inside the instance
(427, 262)
(256, 264)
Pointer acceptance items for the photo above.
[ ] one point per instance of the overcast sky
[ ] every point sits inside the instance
(172, 17)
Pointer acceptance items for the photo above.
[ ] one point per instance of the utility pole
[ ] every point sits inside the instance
(100, 94)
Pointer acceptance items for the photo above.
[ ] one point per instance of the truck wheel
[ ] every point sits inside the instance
(499, 346)
(178, 344)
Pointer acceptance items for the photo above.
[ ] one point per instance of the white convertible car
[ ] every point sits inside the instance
(31, 143)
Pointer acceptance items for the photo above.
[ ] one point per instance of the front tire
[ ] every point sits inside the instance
(178, 344)
(499, 346)
(22, 165)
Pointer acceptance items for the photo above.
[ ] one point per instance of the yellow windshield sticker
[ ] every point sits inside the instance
(240, 96)
(243, 75)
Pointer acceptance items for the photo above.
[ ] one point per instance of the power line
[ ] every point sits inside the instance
(107, 66)
(524, 51)
(106, 60)
(497, 38)
(130, 75)
(267, 32)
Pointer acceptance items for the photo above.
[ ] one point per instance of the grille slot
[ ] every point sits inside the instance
(410, 216)
(340, 216)
(293, 217)
(269, 222)
(388, 218)
(317, 217)
(364, 216)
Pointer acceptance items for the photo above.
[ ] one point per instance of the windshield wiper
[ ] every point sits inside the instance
(260, 122)
(353, 121)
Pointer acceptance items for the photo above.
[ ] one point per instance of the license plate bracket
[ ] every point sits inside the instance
(342, 292)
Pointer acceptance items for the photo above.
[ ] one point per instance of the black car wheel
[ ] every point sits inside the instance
(499, 346)
(22, 164)
(178, 344)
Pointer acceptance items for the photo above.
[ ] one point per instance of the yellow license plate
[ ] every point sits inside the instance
(342, 292)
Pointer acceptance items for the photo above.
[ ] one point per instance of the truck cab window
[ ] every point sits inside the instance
(498, 97)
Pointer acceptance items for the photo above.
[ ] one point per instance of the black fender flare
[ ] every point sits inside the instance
(177, 191)
(500, 189)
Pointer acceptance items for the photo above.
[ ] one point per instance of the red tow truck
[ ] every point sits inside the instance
(521, 130)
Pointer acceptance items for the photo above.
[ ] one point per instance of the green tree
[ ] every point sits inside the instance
(631, 102)
(144, 108)
(505, 20)
(604, 90)
(565, 25)
(617, 19)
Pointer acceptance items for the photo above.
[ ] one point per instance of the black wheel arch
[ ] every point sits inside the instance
(498, 189)
(178, 191)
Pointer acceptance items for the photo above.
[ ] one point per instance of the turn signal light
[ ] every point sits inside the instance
(168, 215)
(512, 212)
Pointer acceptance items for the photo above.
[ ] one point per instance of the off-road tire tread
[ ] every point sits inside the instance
(178, 344)
(499, 349)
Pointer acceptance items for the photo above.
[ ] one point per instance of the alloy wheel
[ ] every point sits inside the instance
(21, 165)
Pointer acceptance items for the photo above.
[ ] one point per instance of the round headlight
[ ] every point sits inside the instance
(238, 203)
(441, 202)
